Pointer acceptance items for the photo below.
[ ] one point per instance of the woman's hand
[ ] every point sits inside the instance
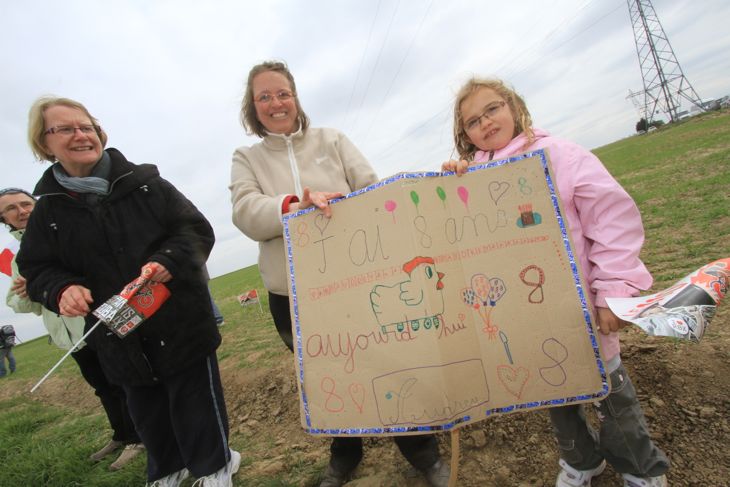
(319, 199)
(609, 322)
(156, 272)
(19, 288)
(75, 301)
(459, 167)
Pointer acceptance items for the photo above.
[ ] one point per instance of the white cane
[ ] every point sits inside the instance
(73, 349)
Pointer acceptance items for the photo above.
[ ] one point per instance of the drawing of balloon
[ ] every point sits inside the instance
(415, 199)
(470, 299)
(463, 195)
(481, 287)
(496, 290)
(390, 206)
(442, 194)
(483, 296)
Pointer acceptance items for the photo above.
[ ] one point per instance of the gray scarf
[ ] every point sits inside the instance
(97, 183)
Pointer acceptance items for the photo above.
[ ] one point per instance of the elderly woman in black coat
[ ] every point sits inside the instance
(99, 220)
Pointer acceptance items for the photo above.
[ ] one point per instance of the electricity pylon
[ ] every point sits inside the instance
(664, 82)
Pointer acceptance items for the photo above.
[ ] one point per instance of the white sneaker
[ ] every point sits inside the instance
(172, 480)
(631, 481)
(570, 477)
(222, 478)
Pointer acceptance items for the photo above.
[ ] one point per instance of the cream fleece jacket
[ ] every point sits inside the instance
(265, 173)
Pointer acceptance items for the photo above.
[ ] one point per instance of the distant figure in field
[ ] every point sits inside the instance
(16, 205)
(296, 166)
(7, 342)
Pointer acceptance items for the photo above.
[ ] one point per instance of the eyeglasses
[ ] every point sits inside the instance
(281, 95)
(16, 207)
(67, 130)
(489, 112)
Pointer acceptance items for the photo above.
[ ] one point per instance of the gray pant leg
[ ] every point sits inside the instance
(624, 437)
(577, 441)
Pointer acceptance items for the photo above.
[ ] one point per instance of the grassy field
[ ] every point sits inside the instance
(678, 175)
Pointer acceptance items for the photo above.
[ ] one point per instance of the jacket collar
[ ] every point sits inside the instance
(279, 141)
(124, 175)
(515, 146)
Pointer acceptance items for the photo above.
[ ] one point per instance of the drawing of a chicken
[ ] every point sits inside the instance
(414, 302)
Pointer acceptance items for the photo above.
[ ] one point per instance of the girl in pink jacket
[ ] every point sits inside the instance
(491, 122)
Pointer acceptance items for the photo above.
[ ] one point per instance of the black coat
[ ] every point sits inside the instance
(103, 247)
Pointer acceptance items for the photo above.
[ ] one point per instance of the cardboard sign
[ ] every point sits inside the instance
(429, 301)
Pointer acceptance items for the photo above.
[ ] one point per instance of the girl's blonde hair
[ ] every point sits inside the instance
(523, 120)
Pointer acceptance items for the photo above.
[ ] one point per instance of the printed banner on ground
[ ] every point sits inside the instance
(429, 301)
(250, 297)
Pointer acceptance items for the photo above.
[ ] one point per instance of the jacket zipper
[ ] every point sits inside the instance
(294, 168)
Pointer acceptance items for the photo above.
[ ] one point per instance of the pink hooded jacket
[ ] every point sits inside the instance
(604, 222)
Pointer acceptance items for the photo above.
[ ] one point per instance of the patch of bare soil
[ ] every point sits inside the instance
(67, 392)
(683, 388)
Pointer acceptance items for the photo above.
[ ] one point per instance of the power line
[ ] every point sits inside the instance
(562, 23)
(542, 41)
(400, 66)
(600, 19)
(413, 131)
(362, 60)
(377, 60)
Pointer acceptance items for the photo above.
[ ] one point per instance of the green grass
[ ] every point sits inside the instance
(678, 175)
(49, 446)
(250, 337)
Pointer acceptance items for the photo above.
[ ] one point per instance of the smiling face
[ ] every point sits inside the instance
(277, 116)
(489, 133)
(79, 152)
(15, 209)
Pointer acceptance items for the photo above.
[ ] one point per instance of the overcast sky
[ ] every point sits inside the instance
(165, 78)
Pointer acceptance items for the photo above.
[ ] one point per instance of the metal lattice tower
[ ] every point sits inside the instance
(664, 82)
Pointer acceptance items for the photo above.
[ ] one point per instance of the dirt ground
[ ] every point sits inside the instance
(683, 388)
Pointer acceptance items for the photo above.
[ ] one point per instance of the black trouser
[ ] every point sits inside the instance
(183, 421)
(279, 307)
(421, 451)
(112, 397)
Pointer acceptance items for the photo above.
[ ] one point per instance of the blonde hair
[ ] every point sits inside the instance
(523, 120)
(248, 117)
(37, 124)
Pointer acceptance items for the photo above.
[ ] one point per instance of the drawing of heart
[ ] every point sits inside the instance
(357, 394)
(514, 380)
(321, 222)
(497, 190)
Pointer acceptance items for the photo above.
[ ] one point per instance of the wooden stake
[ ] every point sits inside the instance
(454, 457)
